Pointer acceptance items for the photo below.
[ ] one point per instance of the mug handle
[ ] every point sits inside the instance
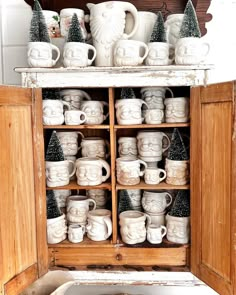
(58, 54)
(82, 136)
(164, 231)
(171, 55)
(74, 168)
(164, 172)
(106, 166)
(128, 7)
(107, 105)
(206, 49)
(169, 195)
(141, 173)
(85, 95)
(143, 102)
(168, 142)
(66, 104)
(171, 92)
(145, 47)
(94, 203)
(93, 49)
(108, 148)
(108, 223)
(85, 117)
(149, 221)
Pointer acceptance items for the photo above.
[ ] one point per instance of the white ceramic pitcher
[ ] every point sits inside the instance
(107, 24)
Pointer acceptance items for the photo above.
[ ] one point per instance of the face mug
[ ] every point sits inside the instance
(127, 146)
(129, 53)
(153, 175)
(172, 25)
(76, 233)
(74, 97)
(56, 229)
(128, 171)
(77, 209)
(61, 197)
(94, 111)
(155, 233)
(153, 96)
(95, 147)
(99, 227)
(69, 141)
(150, 145)
(77, 54)
(89, 171)
(159, 54)
(99, 196)
(57, 173)
(177, 110)
(52, 21)
(157, 218)
(53, 111)
(129, 111)
(178, 229)
(177, 172)
(135, 196)
(156, 202)
(75, 117)
(153, 116)
(191, 51)
(40, 54)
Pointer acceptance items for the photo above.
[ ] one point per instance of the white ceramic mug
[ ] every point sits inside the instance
(129, 111)
(155, 233)
(177, 172)
(94, 111)
(135, 196)
(75, 117)
(153, 116)
(40, 54)
(128, 53)
(76, 233)
(150, 145)
(99, 227)
(56, 229)
(53, 111)
(178, 229)
(61, 197)
(77, 209)
(128, 170)
(69, 141)
(89, 171)
(133, 226)
(76, 54)
(71, 167)
(159, 54)
(99, 196)
(191, 51)
(95, 147)
(157, 218)
(57, 173)
(74, 97)
(153, 96)
(177, 109)
(152, 175)
(156, 202)
(52, 21)
(127, 146)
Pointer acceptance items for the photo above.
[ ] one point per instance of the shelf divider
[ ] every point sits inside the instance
(73, 185)
(162, 186)
(150, 126)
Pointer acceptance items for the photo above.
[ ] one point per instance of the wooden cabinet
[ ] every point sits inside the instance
(211, 253)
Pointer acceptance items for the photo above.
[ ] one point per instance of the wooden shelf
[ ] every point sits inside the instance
(73, 185)
(76, 127)
(162, 186)
(85, 243)
(147, 126)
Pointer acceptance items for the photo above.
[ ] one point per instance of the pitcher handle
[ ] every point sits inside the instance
(66, 104)
(82, 136)
(145, 167)
(93, 49)
(74, 168)
(171, 58)
(164, 172)
(132, 9)
(94, 203)
(143, 102)
(85, 95)
(149, 221)
(171, 92)
(168, 203)
(108, 148)
(108, 223)
(168, 142)
(164, 230)
(106, 166)
(107, 105)
(58, 54)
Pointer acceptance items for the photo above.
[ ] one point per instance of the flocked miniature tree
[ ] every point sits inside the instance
(190, 25)
(181, 205)
(75, 33)
(51, 93)
(127, 93)
(159, 32)
(124, 202)
(177, 150)
(38, 27)
(54, 150)
(53, 210)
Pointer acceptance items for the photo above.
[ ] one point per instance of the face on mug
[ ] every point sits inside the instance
(56, 232)
(152, 176)
(127, 112)
(52, 113)
(154, 205)
(150, 145)
(177, 110)
(93, 149)
(128, 175)
(57, 174)
(128, 149)
(74, 56)
(158, 54)
(77, 214)
(89, 173)
(177, 231)
(94, 114)
(99, 196)
(179, 173)
(40, 56)
(125, 55)
(133, 232)
(69, 144)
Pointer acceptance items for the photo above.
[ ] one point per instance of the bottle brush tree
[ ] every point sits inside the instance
(181, 205)
(75, 33)
(38, 27)
(127, 93)
(190, 25)
(177, 150)
(159, 32)
(54, 150)
(51, 93)
(124, 202)
(53, 210)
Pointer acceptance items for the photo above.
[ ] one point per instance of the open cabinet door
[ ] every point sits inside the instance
(23, 245)
(213, 186)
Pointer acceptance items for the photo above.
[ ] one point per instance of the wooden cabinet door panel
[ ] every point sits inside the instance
(212, 186)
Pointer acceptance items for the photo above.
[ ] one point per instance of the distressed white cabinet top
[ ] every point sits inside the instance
(172, 75)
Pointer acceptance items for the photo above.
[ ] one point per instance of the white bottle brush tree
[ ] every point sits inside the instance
(190, 25)
(53, 210)
(159, 32)
(127, 93)
(75, 33)
(54, 151)
(181, 205)
(177, 150)
(38, 27)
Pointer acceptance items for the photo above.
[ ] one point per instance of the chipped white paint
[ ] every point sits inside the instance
(115, 76)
